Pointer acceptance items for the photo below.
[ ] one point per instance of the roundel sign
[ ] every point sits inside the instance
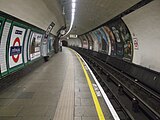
(16, 50)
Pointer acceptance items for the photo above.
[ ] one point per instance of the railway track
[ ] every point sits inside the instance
(125, 91)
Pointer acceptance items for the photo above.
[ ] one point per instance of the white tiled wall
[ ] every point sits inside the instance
(145, 24)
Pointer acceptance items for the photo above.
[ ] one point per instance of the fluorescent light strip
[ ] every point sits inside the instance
(73, 5)
(73, 1)
(72, 16)
(73, 10)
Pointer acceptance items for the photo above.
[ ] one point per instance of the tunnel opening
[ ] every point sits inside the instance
(64, 43)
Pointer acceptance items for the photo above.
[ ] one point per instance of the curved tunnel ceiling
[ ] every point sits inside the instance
(92, 13)
(55, 7)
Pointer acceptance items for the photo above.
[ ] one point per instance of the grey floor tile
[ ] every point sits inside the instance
(4, 102)
(81, 84)
(10, 118)
(89, 111)
(87, 102)
(51, 111)
(21, 102)
(7, 95)
(25, 95)
(10, 110)
(34, 110)
(45, 101)
(77, 101)
(81, 89)
(90, 118)
(35, 118)
(82, 95)
(77, 118)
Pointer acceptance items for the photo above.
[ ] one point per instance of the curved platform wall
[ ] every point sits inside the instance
(134, 38)
(35, 12)
(113, 39)
(144, 25)
(20, 44)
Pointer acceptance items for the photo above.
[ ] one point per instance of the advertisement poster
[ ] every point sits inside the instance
(112, 40)
(0, 38)
(35, 43)
(85, 42)
(81, 39)
(123, 39)
(99, 39)
(26, 46)
(104, 39)
(115, 28)
(1, 27)
(95, 41)
(3, 44)
(90, 41)
(16, 46)
(50, 43)
(0, 24)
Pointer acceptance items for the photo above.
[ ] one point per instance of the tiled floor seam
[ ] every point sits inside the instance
(66, 90)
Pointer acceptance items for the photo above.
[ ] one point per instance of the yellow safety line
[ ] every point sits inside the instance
(94, 96)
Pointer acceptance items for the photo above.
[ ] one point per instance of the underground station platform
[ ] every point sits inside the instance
(64, 88)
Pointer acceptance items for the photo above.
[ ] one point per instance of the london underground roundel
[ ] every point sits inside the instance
(16, 46)
(16, 50)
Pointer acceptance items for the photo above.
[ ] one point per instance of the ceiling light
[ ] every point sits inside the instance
(73, 1)
(73, 10)
(73, 5)
(72, 16)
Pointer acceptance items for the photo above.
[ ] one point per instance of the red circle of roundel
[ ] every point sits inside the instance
(15, 59)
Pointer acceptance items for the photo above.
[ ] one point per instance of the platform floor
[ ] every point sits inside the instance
(57, 90)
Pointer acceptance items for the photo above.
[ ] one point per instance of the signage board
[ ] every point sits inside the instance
(35, 43)
(16, 46)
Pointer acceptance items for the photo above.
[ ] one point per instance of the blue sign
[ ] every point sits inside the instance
(18, 32)
(15, 50)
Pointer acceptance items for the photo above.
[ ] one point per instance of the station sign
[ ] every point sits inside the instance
(50, 27)
(16, 46)
(73, 36)
(16, 50)
(45, 39)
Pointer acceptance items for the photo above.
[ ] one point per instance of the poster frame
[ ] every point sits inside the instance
(6, 47)
(2, 19)
(25, 64)
(34, 30)
(20, 66)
